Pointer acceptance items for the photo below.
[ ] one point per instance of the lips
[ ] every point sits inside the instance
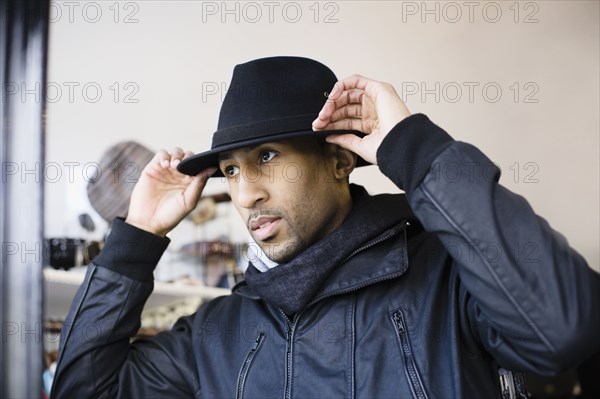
(263, 227)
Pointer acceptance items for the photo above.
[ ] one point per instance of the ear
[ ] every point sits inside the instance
(343, 160)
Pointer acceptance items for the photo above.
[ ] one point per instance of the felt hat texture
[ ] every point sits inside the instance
(268, 99)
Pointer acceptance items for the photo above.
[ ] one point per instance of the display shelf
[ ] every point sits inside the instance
(61, 286)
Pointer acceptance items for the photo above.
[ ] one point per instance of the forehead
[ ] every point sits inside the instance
(296, 145)
(241, 151)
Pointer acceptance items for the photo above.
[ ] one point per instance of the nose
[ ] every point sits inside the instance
(250, 191)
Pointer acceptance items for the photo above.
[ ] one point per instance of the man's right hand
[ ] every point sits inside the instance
(163, 197)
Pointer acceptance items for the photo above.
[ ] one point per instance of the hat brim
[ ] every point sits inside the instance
(198, 162)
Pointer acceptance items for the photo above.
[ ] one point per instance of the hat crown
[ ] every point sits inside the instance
(275, 88)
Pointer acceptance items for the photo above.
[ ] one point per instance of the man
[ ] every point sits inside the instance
(347, 295)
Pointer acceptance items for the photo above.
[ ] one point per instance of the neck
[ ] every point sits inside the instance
(343, 210)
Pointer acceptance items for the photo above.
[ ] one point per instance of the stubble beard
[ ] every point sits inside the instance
(285, 252)
(294, 245)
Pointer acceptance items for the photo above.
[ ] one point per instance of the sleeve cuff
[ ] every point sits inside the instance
(408, 151)
(131, 251)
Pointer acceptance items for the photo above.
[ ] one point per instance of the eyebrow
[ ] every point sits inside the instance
(227, 154)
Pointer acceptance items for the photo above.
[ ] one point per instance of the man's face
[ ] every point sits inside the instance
(285, 193)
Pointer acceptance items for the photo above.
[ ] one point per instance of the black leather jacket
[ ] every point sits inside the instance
(430, 308)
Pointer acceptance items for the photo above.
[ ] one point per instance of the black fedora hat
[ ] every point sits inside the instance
(269, 99)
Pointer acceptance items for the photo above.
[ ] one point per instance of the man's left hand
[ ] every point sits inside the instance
(363, 104)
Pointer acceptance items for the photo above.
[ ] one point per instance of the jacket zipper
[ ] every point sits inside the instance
(409, 362)
(289, 340)
(368, 245)
(246, 365)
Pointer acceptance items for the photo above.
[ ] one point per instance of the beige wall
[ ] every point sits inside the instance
(173, 60)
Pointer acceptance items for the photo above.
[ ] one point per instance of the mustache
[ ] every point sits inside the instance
(265, 212)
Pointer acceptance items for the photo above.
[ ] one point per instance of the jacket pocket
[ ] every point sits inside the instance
(241, 383)
(410, 368)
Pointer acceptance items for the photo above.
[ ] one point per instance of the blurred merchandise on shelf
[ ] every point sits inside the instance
(119, 169)
(216, 261)
(65, 253)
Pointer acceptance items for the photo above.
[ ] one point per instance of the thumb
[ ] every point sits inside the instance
(194, 189)
(353, 143)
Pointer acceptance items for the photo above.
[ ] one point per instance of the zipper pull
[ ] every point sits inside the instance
(257, 342)
(399, 321)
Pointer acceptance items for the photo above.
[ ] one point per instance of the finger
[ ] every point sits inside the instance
(176, 156)
(323, 118)
(337, 91)
(345, 112)
(194, 189)
(345, 124)
(348, 141)
(187, 154)
(352, 82)
(331, 106)
(372, 88)
(163, 158)
(347, 84)
(177, 152)
(353, 97)
(348, 96)
(341, 117)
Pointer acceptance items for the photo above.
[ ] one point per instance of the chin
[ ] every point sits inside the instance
(289, 251)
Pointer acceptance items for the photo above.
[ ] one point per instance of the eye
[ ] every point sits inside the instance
(267, 155)
(231, 170)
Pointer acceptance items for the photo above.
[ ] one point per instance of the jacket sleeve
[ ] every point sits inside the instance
(96, 358)
(534, 303)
